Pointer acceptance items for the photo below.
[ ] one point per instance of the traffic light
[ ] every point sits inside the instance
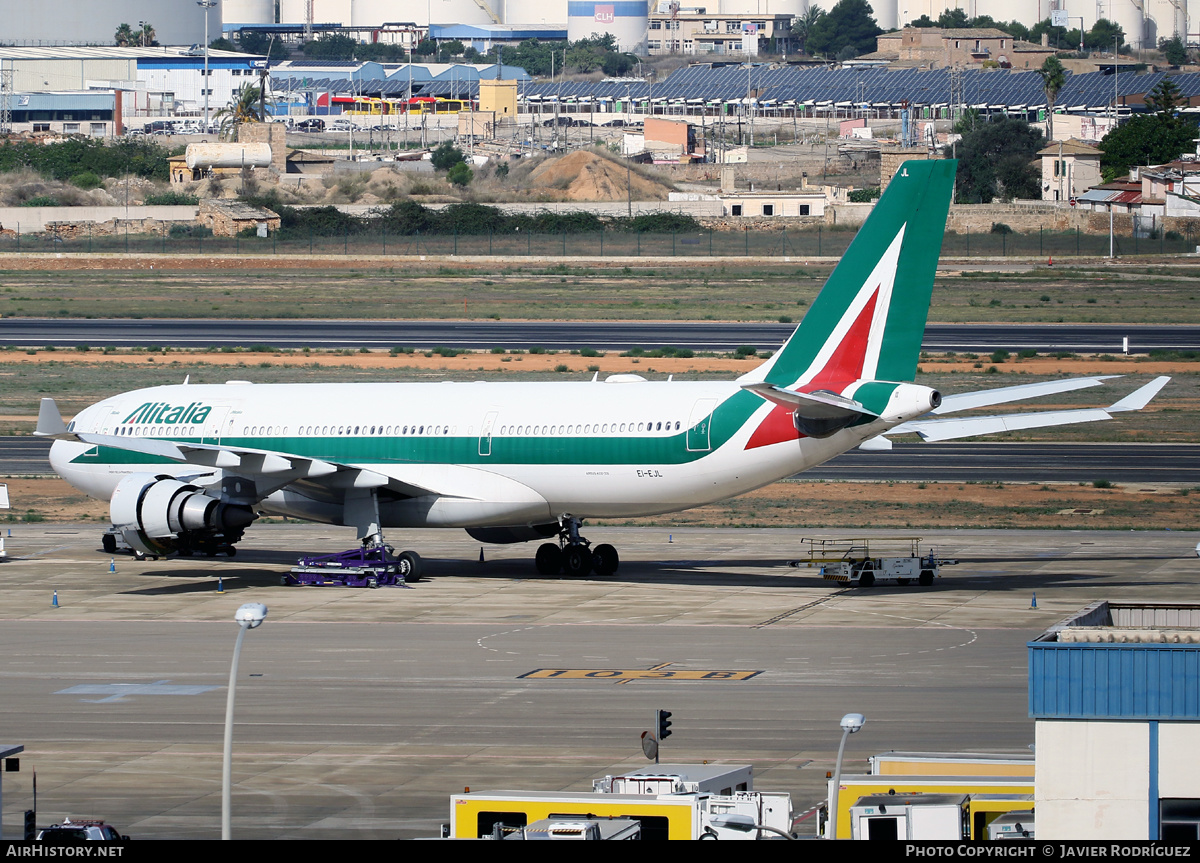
(664, 724)
(30, 825)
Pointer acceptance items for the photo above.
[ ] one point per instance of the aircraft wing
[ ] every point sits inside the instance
(950, 428)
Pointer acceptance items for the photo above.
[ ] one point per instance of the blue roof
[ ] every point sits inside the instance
(1102, 680)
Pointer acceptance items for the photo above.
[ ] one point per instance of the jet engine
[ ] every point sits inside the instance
(505, 535)
(159, 514)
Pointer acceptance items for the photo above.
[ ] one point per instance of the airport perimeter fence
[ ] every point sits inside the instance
(750, 242)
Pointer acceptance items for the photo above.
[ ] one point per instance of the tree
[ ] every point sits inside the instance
(1164, 98)
(802, 26)
(146, 35)
(1053, 77)
(1149, 139)
(849, 24)
(1174, 50)
(1104, 35)
(253, 42)
(996, 159)
(243, 109)
(460, 174)
(222, 44)
(446, 156)
(332, 46)
(124, 36)
(952, 19)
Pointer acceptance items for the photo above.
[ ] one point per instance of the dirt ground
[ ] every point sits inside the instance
(585, 176)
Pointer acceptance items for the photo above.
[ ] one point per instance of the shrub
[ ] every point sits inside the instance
(1001, 228)
(86, 180)
(460, 175)
(170, 199)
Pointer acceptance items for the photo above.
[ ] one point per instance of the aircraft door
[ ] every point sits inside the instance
(485, 433)
(211, 429)
(698, 425)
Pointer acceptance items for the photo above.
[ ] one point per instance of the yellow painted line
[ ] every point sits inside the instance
(615, 674)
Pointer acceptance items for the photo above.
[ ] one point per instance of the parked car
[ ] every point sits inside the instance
(159, 127)
(341, 126)
(561, 120)
(312, 124)
(88, 830)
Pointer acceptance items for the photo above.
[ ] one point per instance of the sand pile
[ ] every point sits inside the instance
(586, 176)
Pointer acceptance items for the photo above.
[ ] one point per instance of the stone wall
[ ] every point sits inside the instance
(267, 133)
(979, 218)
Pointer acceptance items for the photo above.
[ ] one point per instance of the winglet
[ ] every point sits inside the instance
(50, 422)
(1141, 397)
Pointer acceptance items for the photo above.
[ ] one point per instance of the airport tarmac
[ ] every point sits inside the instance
(361, 711)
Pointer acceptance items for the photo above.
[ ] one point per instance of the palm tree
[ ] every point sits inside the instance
(1053, 77)
(243, 109)
(124, 36)
(802, 26)
(147, 36)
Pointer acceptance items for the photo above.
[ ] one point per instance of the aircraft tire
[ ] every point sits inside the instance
(408, 566)
(108, 542)
(926, 578)
(577, 561)
(605, 560)
(549, 559)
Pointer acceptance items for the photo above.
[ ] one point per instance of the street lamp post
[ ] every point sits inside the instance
(206, 5)
(851, 723)
(249, 616)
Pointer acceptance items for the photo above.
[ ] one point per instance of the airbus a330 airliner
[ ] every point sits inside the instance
(187, 468)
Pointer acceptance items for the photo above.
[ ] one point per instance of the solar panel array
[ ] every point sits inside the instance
(878, 88)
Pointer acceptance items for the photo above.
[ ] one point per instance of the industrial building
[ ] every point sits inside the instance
(1115, 693)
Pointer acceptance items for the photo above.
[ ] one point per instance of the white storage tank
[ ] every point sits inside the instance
(1164, 19)
(756, 7)
(535, 12)
(324, 11)
(228, 156)
(627, 20)
(238, 13)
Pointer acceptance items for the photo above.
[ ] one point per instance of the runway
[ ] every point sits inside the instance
(359, 712)
(557, 335)
(911, 462)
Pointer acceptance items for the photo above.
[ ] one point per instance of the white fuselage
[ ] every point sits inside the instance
(475, 454)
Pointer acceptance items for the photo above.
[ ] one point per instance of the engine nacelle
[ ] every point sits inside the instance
(158, 514)
(506, 535)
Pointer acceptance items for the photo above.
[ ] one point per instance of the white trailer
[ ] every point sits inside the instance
(854, 563)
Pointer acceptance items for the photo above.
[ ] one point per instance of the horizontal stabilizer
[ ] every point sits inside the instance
(1003, 395)
(816, 405)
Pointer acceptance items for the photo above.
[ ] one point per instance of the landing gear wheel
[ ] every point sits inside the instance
(549, 559)
(605, 559)
(109, 543)
(577, 561)
(231, 551)
(926, 578)
(408, 566)
(867, 579)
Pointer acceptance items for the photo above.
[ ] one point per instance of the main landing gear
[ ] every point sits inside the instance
(573, 555)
